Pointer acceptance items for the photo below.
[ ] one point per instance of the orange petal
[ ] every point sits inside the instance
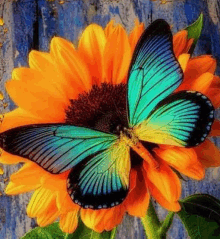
(179, 42)
(7, 158)
(202, 83)
(138, 198)
(117, 56)
(216, 82)
(36, 98)
(43, 62)
(27, 175)
(164, 180)
(19, 117)
(183, 60)
(14, 188)
(184, 160)
(103, 219)
(92, 218)
(40, 201)
(69, 221)
(110, 27)
(135, 34)
(91, 48)
(64, 201)
(208, 154)
(70, 66)
(48, 216)
(188, 45)
(214, 95)
(215, 128)
(170, 206)
(197, 66)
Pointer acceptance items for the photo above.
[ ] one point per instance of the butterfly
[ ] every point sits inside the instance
(99, 162)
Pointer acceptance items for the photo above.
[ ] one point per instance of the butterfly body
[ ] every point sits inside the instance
(100, 160)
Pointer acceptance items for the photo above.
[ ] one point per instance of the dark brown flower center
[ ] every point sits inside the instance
(103, 108)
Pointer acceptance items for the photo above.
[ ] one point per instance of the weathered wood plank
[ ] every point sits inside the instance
(33, 23)
(13, 220)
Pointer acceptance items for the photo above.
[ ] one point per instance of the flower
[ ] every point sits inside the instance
(67, 85)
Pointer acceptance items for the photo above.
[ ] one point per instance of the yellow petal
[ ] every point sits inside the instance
(183, 60)
(69, 221)
(14, 188)
(40, 201)
(48, 216)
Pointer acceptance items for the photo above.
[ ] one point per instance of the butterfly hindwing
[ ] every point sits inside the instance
(154, 72)
(102, 180)
(182, 119)
(55, 147)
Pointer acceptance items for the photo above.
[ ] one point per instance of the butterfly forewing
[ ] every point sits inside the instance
(154, 72)
(55, 147)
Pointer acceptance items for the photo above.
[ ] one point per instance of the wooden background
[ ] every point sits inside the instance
(30, 24)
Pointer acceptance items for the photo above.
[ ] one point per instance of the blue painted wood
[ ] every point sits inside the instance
(33, 23)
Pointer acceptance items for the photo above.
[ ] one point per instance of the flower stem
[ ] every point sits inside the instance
(151, 223)
(166, 224)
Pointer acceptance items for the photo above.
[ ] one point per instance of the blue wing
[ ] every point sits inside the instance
(100, 162)
(55, 147)
(101, 180)
(154, 72)
(183, 119)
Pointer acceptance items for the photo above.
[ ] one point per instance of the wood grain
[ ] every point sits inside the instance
(32, 23)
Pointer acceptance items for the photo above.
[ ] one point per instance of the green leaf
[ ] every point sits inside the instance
(194, 31)
(53, 231)
(165, 226)
(200, 215)
(49, 232)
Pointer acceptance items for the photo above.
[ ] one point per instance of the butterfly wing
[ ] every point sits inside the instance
(154, 72)
(182, 119)
(101, 181)
(100, 163)
(55, 147)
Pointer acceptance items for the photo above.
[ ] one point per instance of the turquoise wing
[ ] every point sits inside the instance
(101, 180)
(183, 119)
(99, 162)
(55, 147)
(154, 72)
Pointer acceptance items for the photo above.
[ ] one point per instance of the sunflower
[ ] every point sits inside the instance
(69, 85)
